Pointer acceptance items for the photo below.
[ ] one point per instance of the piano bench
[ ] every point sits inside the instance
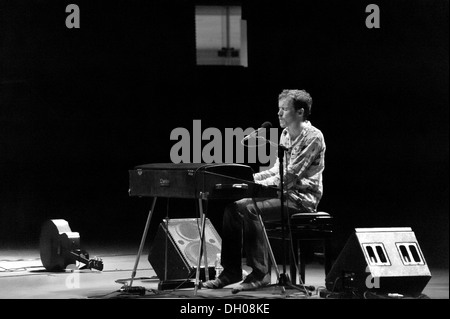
(304, 227)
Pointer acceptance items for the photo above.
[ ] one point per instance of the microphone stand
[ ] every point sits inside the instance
(283, 279)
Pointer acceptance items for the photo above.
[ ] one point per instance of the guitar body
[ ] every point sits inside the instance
(56, 242)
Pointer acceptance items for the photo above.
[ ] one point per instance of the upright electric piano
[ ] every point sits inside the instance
(198, 181)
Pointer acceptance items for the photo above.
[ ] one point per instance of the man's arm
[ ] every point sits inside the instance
(299, 163)
(261, 177)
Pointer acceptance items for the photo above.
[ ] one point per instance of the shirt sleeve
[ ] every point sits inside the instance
(299, 162)
(262, 177)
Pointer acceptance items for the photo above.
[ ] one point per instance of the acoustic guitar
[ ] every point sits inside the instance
(60, 247)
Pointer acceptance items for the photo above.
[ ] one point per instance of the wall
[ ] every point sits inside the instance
(79, 108)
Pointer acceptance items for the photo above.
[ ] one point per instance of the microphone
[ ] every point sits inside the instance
(265, 125)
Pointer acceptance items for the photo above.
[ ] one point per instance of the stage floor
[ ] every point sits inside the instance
(22, 276)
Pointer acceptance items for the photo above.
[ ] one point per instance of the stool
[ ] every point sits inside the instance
(304, 227)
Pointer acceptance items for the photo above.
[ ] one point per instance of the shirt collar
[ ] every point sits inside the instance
(306, 126)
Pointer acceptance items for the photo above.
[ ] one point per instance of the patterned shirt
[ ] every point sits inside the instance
(305, 160)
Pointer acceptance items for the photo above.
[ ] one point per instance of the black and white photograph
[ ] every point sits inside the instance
(224, 157)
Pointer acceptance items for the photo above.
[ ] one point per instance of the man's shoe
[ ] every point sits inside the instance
(222, 281)
(253, 282)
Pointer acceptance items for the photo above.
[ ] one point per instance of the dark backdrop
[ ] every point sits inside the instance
(80, 107)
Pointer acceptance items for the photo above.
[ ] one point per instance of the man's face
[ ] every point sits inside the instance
(287, 113)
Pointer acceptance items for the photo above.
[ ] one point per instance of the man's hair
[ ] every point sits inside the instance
(300, 100)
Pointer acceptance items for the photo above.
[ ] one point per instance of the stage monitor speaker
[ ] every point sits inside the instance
(380, 260)
(182, 239)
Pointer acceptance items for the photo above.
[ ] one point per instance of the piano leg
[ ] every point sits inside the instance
(202, 247)
(144, 237)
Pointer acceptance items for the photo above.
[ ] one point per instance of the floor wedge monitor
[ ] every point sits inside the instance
(385, 260)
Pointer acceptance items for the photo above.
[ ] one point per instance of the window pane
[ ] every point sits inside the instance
(218, 35)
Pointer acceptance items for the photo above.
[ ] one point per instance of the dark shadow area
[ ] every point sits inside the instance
(81, 107)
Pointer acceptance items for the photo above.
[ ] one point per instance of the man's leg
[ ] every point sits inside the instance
(232, 238)
(255, 244)
(242, 229)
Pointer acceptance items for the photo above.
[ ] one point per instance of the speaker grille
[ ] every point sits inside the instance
(188, 231)
(183, 247)
(191, 253)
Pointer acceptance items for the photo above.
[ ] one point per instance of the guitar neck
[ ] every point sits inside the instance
(96, 264)
(79, 257)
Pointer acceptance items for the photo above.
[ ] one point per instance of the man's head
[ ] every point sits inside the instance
(294, 106)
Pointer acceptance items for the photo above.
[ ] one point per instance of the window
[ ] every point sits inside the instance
(220, 36)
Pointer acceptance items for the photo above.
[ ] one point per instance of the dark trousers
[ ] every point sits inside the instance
(242, 230)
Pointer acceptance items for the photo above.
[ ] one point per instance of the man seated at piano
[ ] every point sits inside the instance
(302, 179)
